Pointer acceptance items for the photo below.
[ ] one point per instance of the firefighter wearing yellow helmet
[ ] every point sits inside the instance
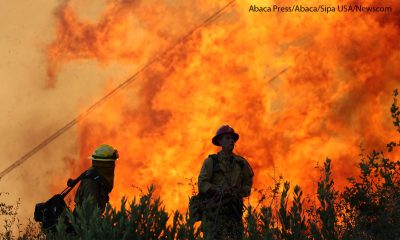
(99, 178)
(224, 180)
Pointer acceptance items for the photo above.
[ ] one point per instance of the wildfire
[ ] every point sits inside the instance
(297, 88)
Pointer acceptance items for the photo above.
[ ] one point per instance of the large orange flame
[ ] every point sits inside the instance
(298, 87)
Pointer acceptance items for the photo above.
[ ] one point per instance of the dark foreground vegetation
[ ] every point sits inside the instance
(368, 208)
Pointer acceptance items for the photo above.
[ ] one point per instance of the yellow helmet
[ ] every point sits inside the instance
(105, 153)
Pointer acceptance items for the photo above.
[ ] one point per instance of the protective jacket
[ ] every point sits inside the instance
(232, 171)
(96, 186)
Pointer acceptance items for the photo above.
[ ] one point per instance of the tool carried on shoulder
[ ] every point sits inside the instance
(48, 212)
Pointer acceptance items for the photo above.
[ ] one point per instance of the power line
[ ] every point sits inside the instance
(81, 116)
(277, 75)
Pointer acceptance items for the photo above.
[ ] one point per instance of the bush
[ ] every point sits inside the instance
(143, 219)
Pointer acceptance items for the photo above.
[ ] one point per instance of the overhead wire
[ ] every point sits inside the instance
(122, 85)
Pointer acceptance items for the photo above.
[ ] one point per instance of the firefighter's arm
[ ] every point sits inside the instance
(247, 179)
(89, 188)
(204, 180)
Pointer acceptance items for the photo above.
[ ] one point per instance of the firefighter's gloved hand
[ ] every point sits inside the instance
(70, 182)
(233, 191)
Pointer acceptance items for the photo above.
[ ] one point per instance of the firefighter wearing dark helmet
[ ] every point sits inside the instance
(99, 179)
(225, 179)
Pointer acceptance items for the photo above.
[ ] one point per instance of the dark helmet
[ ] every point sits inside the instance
(224, 129)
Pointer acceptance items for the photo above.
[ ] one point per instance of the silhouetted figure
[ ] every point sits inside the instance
(98, 180)
(225, 178)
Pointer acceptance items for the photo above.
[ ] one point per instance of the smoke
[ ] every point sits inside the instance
(31, 111)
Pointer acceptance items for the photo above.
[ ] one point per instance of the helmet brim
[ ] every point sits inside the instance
(103, 159)
(215, 140)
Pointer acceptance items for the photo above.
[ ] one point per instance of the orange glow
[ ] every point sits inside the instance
(334, 95)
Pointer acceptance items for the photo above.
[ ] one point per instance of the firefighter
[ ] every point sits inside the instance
(225, 179)
(99, 179)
